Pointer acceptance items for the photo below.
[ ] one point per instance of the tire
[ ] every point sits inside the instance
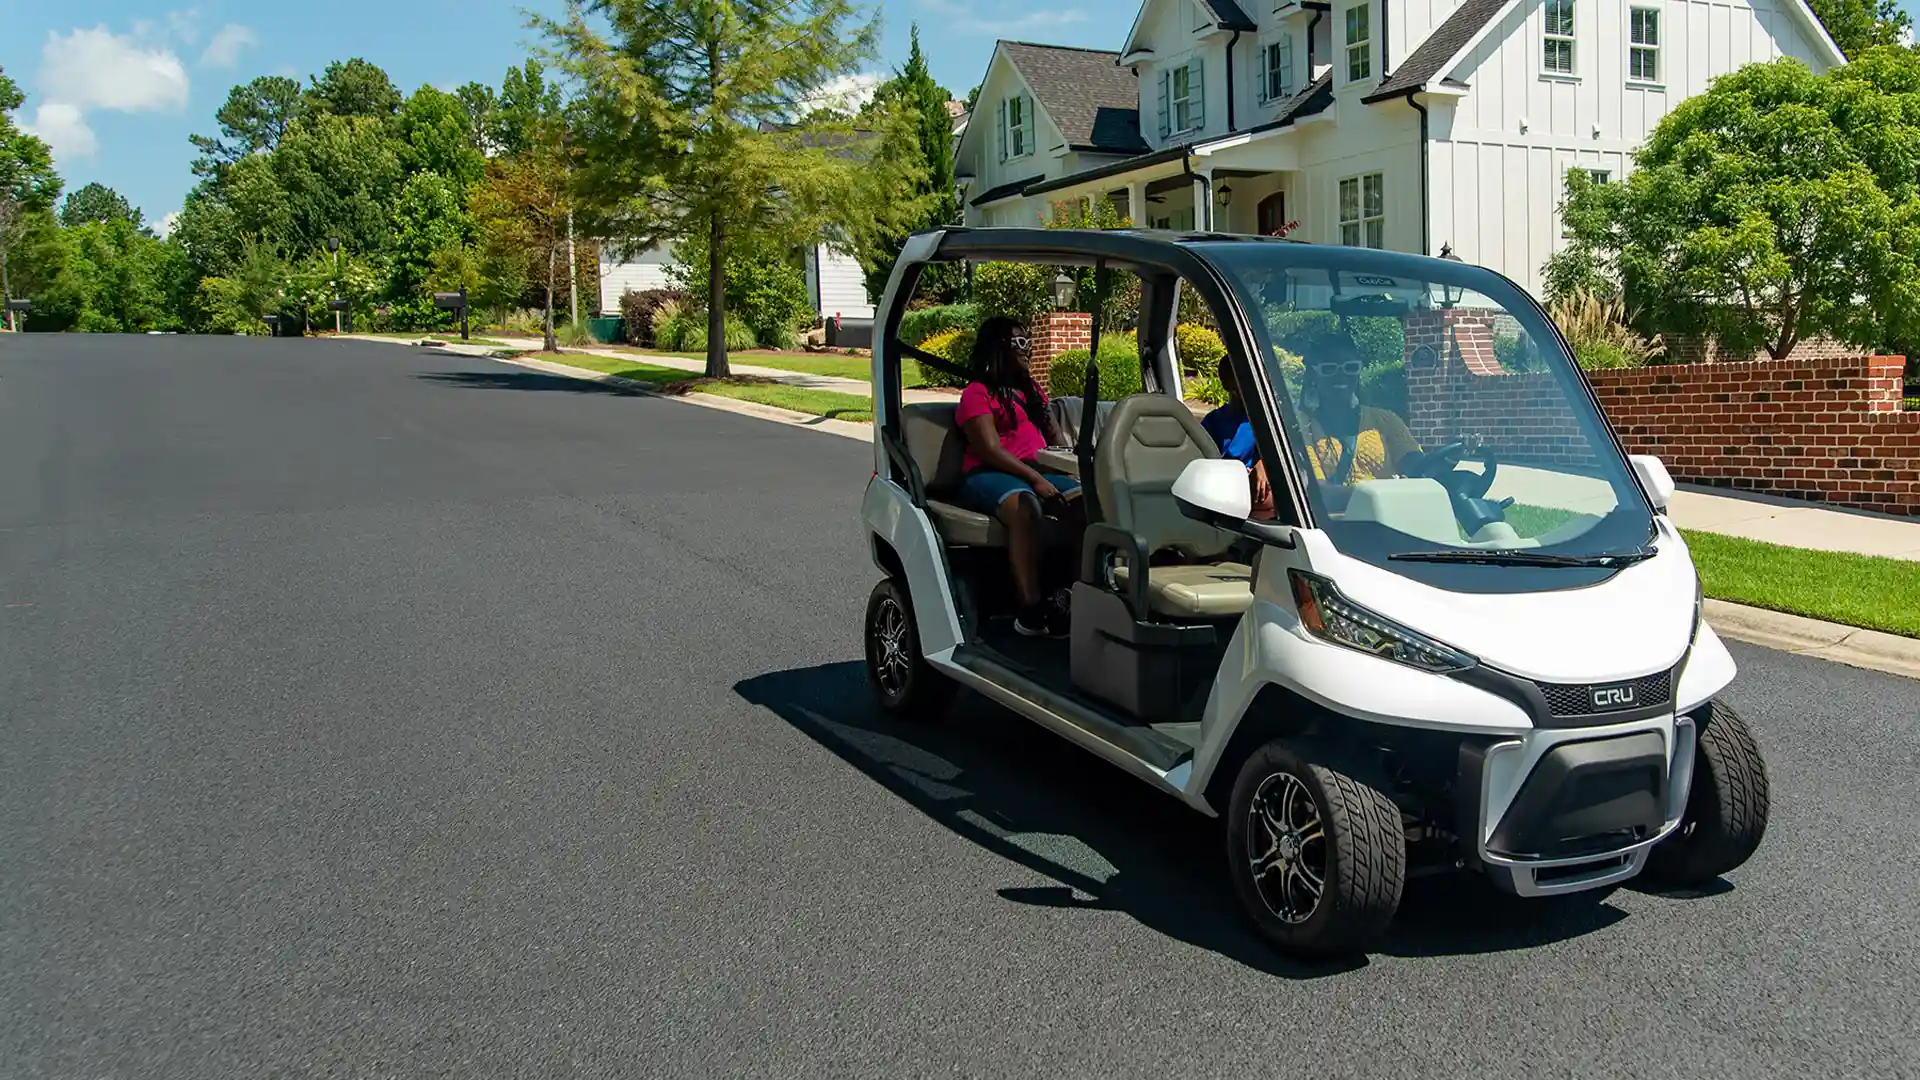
(1355, 837)
(903, 683)
(1726, 814)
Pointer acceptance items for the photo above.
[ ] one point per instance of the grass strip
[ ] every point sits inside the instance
(823, 403)
(1855, 590)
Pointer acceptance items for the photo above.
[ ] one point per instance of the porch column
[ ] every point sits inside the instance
(1203, 203)
(1137, 204)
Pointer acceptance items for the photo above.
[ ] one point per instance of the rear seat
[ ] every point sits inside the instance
(938, 446)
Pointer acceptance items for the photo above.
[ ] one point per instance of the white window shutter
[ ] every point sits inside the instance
(1029, 126)
(1002, 126)
(1166, 104)
(1199, 92)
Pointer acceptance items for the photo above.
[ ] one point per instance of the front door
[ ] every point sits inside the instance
(1273, 214)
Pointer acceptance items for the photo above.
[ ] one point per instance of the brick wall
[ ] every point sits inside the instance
(1457, 387)
(1823, 428)
(1829, 430)
(1056, 332)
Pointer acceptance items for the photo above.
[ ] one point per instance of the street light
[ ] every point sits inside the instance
(1065, 289)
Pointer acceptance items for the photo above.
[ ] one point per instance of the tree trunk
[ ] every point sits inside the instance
(550, 344)
(573, 274)
(6, 283)
(717, 367)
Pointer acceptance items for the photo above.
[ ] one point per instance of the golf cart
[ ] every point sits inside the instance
(1466, 637)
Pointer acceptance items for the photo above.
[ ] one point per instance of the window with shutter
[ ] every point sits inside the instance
(1276, 70)
(1166, 104)
(1002, 126)
(1199, 93)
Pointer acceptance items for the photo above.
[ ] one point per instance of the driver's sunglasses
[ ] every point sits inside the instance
(1328, 368)
(1021, 342)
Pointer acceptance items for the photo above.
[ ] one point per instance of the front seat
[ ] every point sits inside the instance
(938, 446)
(1147, 442)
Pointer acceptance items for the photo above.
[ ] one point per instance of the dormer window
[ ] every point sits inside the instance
(1359, 42)
(1276, 69)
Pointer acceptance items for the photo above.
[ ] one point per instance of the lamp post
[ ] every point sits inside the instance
(333, 249)
(1450, 295)
(1065, 290)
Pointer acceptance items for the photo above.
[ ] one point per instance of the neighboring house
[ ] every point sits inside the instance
(835, 284)
(1405, 124)
(1043, 112)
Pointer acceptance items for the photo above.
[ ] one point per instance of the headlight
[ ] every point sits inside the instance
(1332, 617)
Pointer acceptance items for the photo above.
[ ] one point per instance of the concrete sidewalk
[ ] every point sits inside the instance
(1791, 523)
(801, 379)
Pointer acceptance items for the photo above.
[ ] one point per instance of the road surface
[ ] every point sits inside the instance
(366, 712)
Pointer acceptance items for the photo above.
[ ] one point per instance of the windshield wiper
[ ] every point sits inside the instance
(1523, 557)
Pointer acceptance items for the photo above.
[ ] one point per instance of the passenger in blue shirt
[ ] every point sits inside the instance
(1233, 435)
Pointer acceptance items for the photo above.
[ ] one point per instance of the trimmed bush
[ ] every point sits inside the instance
(1020, 291)
(688, 333)
(954, 346)
(641, 308)
(1200, 349)
(917, 326)
(1384, 386)
(1208, 389)
(1119, 370)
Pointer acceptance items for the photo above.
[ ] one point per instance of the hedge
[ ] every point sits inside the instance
(954, 346)
(917, 326)
(638, 308)
(1119, 370)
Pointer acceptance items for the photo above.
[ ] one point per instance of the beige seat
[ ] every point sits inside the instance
(938, 448)
(1147, 442)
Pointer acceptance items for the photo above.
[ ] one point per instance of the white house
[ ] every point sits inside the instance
(1404, 124)
(835, 284)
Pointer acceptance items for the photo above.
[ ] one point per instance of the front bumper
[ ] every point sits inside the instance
(1561, 811)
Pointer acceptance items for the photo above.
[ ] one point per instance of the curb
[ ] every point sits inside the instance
(1849, 645)
(1871, 650)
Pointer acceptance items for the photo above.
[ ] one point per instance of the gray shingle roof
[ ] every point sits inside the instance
(1092, 99)
(1424, 66)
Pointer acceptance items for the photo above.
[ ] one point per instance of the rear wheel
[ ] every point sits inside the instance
(903, 682)
(1726, 814)
(1318, 857)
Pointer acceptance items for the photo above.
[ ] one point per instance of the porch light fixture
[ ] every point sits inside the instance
(1064, 291)
(1225, 195)
(1451, 295)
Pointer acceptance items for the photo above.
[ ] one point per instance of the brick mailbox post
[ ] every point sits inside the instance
(1056, 332)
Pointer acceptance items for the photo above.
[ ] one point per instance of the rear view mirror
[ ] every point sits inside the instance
(1654, 479)
(1216, 491)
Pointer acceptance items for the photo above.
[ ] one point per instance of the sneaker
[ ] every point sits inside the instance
(1035, 622)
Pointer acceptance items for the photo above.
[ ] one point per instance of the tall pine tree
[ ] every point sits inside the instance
(913, 91)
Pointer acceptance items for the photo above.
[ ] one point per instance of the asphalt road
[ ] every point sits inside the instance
(371, 713)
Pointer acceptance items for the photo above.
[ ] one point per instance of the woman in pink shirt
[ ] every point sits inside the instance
(1004, 416)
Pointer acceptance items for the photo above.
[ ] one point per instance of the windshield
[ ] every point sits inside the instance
(1440, 427)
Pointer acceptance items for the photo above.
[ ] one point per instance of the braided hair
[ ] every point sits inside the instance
(998, 364)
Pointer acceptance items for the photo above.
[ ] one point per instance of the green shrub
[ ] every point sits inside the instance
(954, 346)
(1384, 386)
(1119, 370)
(917, 326)
(1019, 291)
(1206, 388)
(573, 335)
(688, 333)
(670, 325)
(1911, 404)
(641, 308)
(1599, 334)
(1200, 349)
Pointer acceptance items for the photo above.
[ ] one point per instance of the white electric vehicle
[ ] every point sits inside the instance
(1467, 637)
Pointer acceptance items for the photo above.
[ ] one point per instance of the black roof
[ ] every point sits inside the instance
(1092, 99)
(1419, 71)
(1228, 14)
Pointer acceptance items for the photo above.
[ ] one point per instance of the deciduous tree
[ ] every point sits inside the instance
(691, 129)
(522, 211)
(1859, 25)
(98, 203)
(28, 183)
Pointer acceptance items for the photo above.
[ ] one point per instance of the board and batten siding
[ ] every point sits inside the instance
(836, 285)
(646, 270)
(1501, 151)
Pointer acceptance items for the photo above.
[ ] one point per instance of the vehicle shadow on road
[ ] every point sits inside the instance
(1108, 842)
(524, 380)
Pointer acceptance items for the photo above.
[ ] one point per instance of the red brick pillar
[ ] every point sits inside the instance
(1444, 347)
(1054, 333)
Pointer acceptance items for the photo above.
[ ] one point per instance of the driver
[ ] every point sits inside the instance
(1348, 442)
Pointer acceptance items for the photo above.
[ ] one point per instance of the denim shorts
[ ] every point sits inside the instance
(983, 490)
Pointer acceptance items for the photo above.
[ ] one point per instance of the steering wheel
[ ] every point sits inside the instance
(1443, 464)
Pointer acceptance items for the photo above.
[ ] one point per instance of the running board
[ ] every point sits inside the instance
(1072, 717)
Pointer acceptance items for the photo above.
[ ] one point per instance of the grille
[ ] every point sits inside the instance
(1577, 699)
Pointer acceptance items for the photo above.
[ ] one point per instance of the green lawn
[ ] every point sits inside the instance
(824, 403)
(1857, 590)
(839, 366)
(452, 339)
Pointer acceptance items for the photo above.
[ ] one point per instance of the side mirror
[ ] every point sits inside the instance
(1654, 479)
(1216, 491)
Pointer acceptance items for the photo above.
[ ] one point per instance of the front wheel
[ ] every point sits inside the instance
(1318, 857)
(903, 682)
(1726, 813)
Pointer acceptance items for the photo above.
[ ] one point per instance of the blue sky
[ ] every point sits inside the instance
(118, 85)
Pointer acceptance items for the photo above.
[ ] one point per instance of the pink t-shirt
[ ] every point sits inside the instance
(1018, 435)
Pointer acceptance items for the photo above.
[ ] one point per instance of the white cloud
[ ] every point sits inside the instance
(165, 228)
(223, 51)
(848, 93)
(185, 25)
(87, 69)
(64, 127)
